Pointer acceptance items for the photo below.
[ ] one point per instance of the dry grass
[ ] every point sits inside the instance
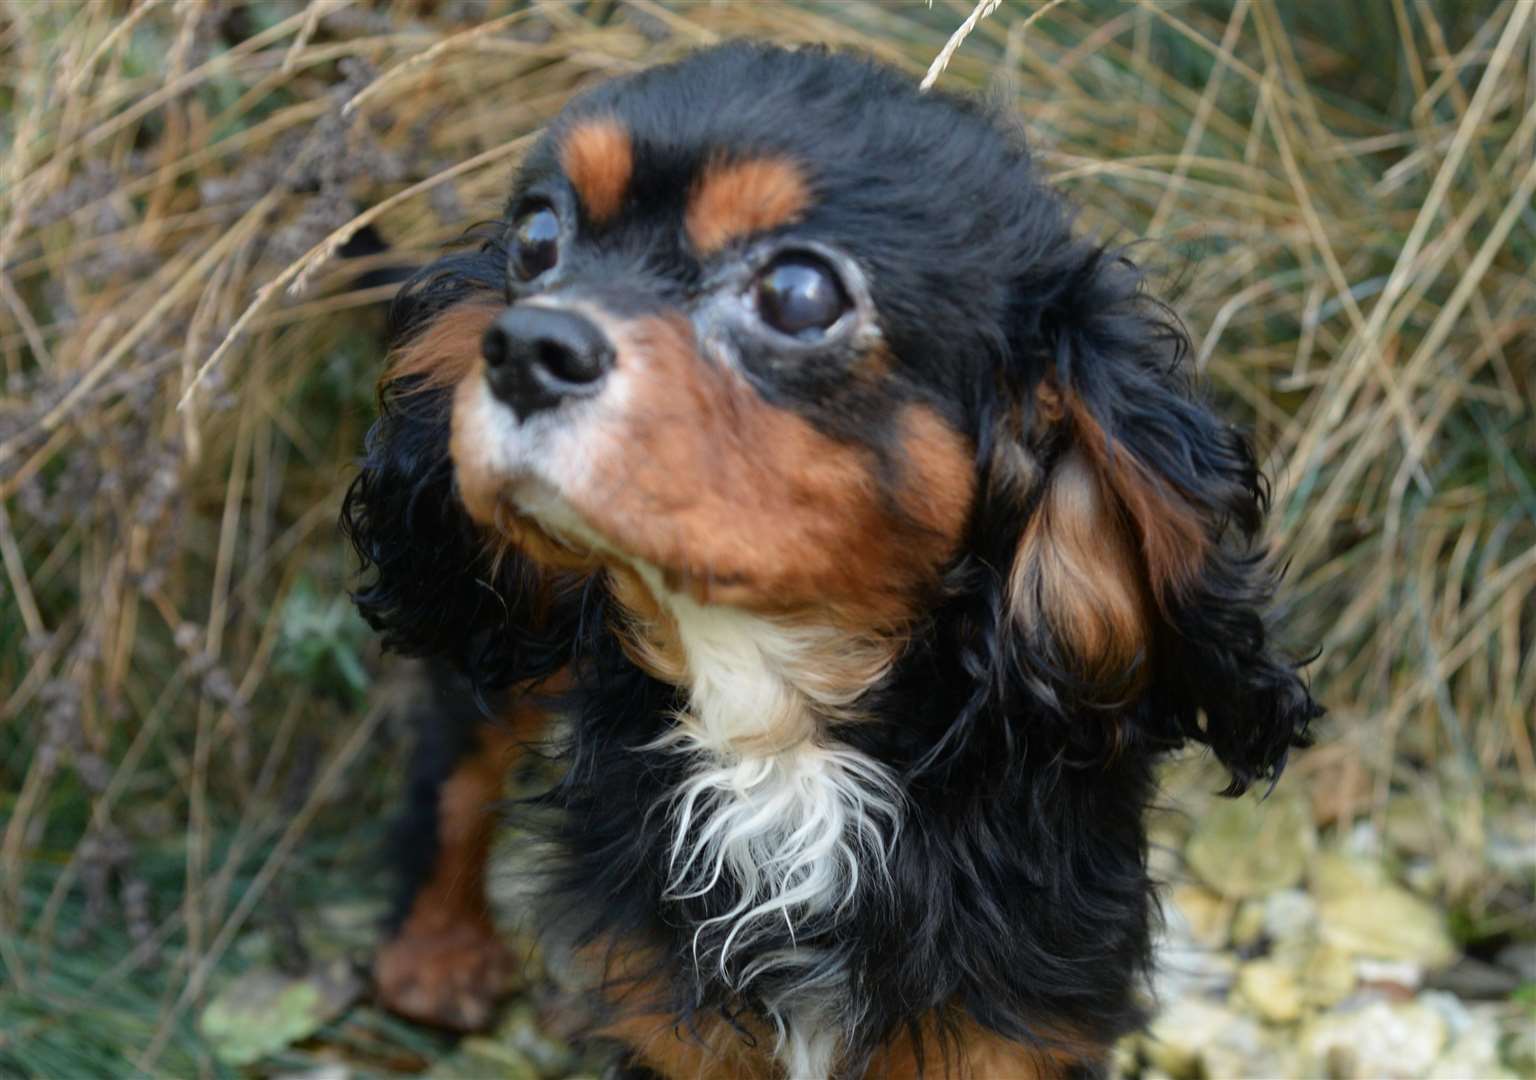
(1343, 196)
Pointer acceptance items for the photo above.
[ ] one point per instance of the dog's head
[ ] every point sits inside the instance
(772, 330)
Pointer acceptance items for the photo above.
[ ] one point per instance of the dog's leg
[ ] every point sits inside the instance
(445, 964)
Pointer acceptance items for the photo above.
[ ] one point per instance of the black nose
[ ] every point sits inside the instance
(536, 357)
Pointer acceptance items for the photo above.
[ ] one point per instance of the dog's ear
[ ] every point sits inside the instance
(1137, 586)
(434, 586)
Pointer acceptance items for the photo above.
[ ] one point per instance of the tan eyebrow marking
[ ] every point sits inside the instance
(598, 158)
(733, 199)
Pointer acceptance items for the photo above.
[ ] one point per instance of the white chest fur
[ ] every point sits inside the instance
(785, 821)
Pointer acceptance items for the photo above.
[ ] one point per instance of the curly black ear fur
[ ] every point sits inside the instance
(434, 588)
(1139, 585)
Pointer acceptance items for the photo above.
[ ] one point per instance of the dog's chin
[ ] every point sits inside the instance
(528, 514)
(553, 530)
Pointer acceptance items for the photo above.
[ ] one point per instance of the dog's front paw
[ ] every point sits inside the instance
(449, 978)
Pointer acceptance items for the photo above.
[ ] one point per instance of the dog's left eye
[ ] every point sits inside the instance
(535, 243)
(799, 295)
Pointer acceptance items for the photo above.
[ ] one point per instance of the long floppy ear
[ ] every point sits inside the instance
(434, 586)
(1138, 584)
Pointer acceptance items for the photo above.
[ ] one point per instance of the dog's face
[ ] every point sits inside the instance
(737, 340)
(774, 330)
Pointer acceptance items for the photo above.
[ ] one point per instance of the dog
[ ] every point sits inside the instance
(863, 522)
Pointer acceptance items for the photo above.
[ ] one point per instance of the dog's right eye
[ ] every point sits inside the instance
(535, 243)
(799, 295)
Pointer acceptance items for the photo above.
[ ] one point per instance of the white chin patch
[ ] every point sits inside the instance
(504, 445)
(540, 458)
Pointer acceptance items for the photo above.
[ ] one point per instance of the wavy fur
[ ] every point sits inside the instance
(954, 842)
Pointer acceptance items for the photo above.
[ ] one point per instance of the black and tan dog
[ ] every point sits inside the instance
(863, 522)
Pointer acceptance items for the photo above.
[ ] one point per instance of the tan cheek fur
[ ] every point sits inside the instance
(448, 348)
(741, 502)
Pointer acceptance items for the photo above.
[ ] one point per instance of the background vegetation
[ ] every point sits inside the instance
(197, 743)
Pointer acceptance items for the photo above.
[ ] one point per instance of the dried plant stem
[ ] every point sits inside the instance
(294, 275)
(324, 785)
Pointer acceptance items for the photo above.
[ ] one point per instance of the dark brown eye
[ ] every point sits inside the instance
(799, 295)
(535, 243)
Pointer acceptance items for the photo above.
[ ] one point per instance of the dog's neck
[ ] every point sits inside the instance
(775, 818)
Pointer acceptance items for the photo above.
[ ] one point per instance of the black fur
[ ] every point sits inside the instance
(437, 591)
(1019, 892)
